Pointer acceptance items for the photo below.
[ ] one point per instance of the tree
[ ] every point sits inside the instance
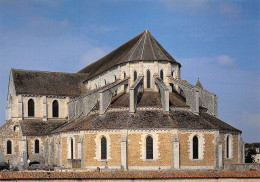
(250, 156)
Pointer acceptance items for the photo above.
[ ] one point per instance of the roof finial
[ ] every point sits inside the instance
(198, 84)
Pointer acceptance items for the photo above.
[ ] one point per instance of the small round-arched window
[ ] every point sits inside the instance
(135, 75)
(55, 108)
(161, 74)
(195, 152)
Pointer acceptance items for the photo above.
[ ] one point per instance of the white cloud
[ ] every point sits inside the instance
(213, 6)
(230, 10)
(92, 55)
(226, 61)
(189, 4)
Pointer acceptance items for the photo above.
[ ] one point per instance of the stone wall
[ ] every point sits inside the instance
(162, 152)
(39, 157)
(234, 148)
(206, 150)
(10, 131)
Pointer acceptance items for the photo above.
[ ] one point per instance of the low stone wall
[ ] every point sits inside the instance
(132, 175)
(242, 167)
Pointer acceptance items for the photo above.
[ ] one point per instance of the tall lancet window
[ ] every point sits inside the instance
(124, 75)
(195, 142)
(31, 108)
(36, 146)
(71, 148)
(135, 75)
(228, 147)
(161, 74)
(149, 147)
(9, 147)
(103, 148)
(55, 108)
(148, 77)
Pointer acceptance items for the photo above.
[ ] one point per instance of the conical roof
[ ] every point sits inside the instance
(198, 84)
(140, 48)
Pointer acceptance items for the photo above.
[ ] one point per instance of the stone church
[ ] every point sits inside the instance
(129, 110)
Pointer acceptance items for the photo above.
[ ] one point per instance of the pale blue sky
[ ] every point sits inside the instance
(215, 40)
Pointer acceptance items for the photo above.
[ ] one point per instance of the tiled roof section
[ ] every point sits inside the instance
(29, 175)
(142, 47)
(148, 99)
(177, 100)
(151, 99)
(48, 83)
(198, 84)
(38, 127)
(146, 120)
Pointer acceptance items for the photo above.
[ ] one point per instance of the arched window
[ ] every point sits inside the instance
(55, 108)
(148, 76)
(195, 142)
(124, 75)
(96, 86)
(105, 82)
(227, 147)
(36, 146)
(149, 147)
(135, 75)
(31, 107)
(103, 148)
(9, 147)
(16, 127)
(161, 74)
(115, 78)
(71, 148)
(172, 73)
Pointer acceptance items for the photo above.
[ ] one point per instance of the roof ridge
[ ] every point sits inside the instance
(143, 44)
(151, 45)
(39, 71)
(136, 45)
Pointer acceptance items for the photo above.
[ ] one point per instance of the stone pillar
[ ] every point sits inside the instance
(82, 149)
(23, 152)
(156, 74)
(156, 69)
(124, 162)
(132, 101)
(20, 107)
(167, 98)
(168, 75)
(175, 152)
(141, 70)
(220, 156)
(45, 109)
(197, 102)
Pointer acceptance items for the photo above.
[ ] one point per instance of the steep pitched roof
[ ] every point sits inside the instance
(47, 83)
(142, 47)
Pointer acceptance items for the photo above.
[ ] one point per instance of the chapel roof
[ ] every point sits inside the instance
(48, 83)
(38, 127)
(140, 48)
(146, 119)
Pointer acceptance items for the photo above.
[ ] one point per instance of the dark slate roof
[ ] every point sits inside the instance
(38, 127)
(142, 47)
(48, 83)
(145, 120)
